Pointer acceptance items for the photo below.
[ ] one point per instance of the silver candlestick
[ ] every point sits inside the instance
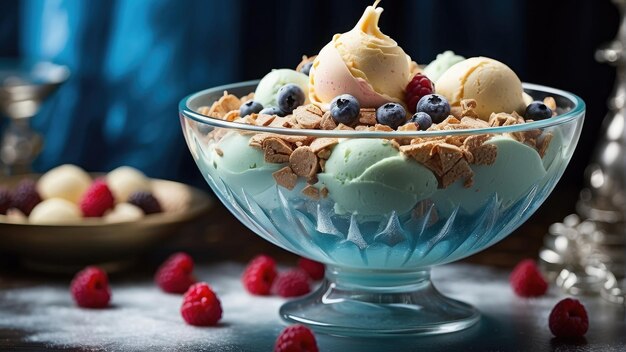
(24, 86)
(586, 252)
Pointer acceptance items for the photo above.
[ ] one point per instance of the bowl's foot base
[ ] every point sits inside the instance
(350, 308)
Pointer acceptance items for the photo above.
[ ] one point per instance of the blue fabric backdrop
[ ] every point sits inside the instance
(133, 60)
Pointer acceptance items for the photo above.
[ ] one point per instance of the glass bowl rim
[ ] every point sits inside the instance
(576, 112)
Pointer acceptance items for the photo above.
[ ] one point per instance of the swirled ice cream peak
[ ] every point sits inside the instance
(363, 62)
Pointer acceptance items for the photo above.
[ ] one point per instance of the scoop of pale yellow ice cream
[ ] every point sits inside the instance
(494, 86)
(363, 62)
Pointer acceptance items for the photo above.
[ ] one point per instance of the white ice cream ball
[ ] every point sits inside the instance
(55, 211)
(124, 212)
(66, 181)
(126, 180)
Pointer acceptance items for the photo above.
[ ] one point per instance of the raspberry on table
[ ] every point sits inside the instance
(314, 269)
(292, 283)
(296, 338)
(25, 196)
(201, 307)
(146, 202)
(90, 288)
(527, 281)
(419, 87)
(97, 199)
(5, 200)
(259, 275)
(175, 274)
(569, 319)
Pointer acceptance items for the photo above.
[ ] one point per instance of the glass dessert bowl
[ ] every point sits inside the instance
(381, 208)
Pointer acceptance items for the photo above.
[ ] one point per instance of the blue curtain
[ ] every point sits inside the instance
(133, 60)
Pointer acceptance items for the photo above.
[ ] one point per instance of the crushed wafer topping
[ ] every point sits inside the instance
(551, 103)
(286, 177)
(227, 104)
(304, 162)
(448, 157)
(275, 150)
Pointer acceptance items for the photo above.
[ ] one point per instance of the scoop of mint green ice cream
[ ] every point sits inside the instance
(241, 166)
(268, 87)
(441, 64)
(371, 177)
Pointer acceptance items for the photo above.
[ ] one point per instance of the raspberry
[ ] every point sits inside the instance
(146, 202)
(5, 200)
(259, 275)
(314, 269)
(292, 283)
(174, 275)
(296, 338)
(97, 199)
(90, 288)
(25, 196)
(569, 319)
(201, 307)
(419, 87)
(527, 281)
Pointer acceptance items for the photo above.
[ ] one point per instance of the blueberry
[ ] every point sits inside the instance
(306, 68)
(345, 109)
(289, 97)
(422, 120)
(537, 111)
(434, 105)
(250, 107)
(272, 110)
(391, 114)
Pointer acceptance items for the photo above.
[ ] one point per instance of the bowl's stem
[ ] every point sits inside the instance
(354, 302)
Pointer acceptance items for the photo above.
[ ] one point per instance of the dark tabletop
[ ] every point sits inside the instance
(36, 311)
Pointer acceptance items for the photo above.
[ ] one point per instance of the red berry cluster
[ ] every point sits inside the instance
(97, 200)
(261, 277)
(527, 281)
(5, 200)
(23, 198)
(146, 202)
(175, 275)
(419, 86)
(90, 288)
(568, 318)
(201, 305)
(296, 338)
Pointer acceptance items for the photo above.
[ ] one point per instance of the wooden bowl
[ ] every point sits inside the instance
(94, 241)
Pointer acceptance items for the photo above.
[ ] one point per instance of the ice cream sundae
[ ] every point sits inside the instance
(363, 81)
(379, 168)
